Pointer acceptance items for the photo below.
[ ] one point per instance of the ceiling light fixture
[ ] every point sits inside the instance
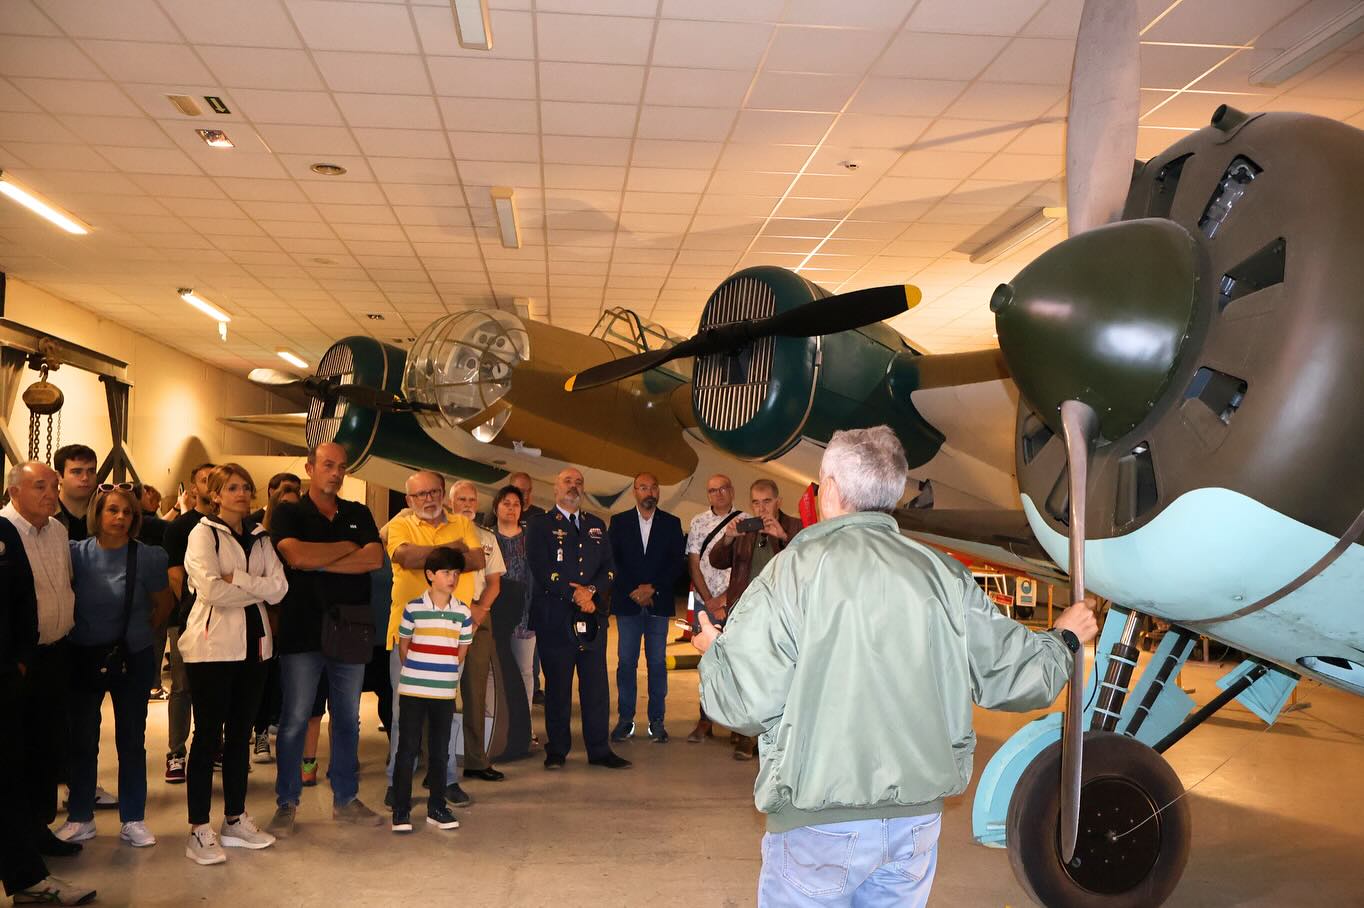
(504, 205)
(1017, 235)
(472, 26)
(1315, 45)
(328, 170)
(40, 207)
(292, 359)
(198, 302)
(375, 317)
(186, 105)
(215, 138)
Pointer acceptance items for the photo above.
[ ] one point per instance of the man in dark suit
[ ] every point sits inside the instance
(571, 570)
(647, 545)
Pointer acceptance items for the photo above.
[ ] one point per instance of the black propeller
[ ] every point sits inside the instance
(331, 389)
(829, 315)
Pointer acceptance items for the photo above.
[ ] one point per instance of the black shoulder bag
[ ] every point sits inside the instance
(105, 664)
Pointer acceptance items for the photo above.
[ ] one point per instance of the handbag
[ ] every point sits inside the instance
(348, 634)
(105, 664)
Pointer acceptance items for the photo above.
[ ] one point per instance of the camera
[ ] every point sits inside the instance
(750, 525)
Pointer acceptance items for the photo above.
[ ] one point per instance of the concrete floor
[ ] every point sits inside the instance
(1276, 826)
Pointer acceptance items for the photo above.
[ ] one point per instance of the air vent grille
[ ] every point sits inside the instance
(728, 389)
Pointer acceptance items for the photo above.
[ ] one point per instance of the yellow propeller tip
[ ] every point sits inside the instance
(913, 295)
(568, 385)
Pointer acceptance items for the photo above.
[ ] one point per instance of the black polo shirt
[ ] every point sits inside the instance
(311, 593)
(153, 529)
(176, 537)
(76, 527)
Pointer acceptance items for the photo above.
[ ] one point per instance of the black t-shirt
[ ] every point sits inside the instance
(257, 516)
(153, 530)
(76, 527)
(176, 538)
(311, 593)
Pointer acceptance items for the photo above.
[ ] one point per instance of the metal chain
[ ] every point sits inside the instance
(32, 435)
(59, 428)
(49, 438)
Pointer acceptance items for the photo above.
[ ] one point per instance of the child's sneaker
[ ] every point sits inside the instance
(309, 773)
(402, 821)
(442, 818)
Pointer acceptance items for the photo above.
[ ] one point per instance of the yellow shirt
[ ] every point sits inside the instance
(410, 583)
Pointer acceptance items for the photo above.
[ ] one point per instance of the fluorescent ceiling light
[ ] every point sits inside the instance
(204, 306)
(1317, 44)
(472, 26)
(1017, 235)
(504, 204)
(292, 359)
(215, 138)
(39, 207)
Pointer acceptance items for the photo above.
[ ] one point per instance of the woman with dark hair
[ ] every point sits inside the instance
(122, 593)
(226, 644)
(508, 506)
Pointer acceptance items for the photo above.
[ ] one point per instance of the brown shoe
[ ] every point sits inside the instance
(745, 748)
(702, 730)
(742, 756)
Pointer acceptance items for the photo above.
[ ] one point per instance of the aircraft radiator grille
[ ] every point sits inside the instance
(324, 417)
(728, 389)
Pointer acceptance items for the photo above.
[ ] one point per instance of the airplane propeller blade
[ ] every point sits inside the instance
(1105, 102)
(331, 389)
(273, 377)
(830, 315)
(1079, 426)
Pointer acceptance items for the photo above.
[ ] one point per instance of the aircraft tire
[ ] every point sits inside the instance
(1121, 862)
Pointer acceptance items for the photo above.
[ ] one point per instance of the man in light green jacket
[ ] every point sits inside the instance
(857, 654)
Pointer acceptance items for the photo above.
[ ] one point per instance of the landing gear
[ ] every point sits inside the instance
(1123, 858)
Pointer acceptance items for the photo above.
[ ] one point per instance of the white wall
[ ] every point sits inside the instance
(174, 404)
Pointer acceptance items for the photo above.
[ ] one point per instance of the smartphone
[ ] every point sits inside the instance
(697, 607)
(750, 524)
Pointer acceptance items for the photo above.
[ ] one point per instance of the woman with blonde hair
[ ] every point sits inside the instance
(226, 646)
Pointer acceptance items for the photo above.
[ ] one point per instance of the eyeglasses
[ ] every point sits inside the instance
(426, 495)
(121, 486)
(719, 490)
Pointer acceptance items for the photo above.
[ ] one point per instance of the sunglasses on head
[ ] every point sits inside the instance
(122, 486)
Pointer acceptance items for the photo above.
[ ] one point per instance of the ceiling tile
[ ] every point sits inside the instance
(197, 188)
(775, 158)
(781, 127)
(403, 143)
(399, 111)
(35, 127)
(940, 164)
(513, 34)
(906, 97)
(70, 96)
(414, 170)
(799, 49)
(858, 13)
(23, 18)
(127, 19)
(259, 67)
(685, 123)
(833, 186)
(297, 166)
(11, 99)
(482, 78)
(257, 23)
(580, 176)
(60, 156)
(663, 153)
(498, 173)
(353, 26)
(133, 61)
(242, 189)
(696, 87)
(493, 146)
(295, 108)
(382, 73)
(1045, 61)
(150, 160)
(871, 131)
(591, 82)
(1163, 66)
(968, 135)
(1220, 21)
(484, 115)
(984, 17)
(52, 57)
(1005, 101)
(320, 140)
(578, 119)
(801, 91)
(662, 202)
(647, 179)
(710, 44)
(586, 150)
(931, 56)
(593, 39)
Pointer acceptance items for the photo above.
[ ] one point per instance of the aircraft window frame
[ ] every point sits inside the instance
(640, 335)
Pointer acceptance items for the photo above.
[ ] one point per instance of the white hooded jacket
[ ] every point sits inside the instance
(215, 630)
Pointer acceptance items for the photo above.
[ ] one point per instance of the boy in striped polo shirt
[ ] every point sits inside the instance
(433, 636)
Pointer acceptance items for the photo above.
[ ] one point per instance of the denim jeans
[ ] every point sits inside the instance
(456, 738)
(654, 631)
(299, 674)
(864, 864)
(129, 694)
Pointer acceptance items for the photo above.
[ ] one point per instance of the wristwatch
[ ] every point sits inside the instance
(593, 591)
(1071, 641)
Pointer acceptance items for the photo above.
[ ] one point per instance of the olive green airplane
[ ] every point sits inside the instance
(1181, 375)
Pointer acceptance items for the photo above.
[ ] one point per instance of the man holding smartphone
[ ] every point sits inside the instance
(745, 548)
(709, 583)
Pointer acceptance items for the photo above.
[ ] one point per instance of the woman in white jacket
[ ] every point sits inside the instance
(226, 644)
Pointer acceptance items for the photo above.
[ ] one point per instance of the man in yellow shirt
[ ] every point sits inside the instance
(409, 538)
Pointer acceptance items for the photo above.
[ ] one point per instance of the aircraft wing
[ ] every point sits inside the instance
(999, 537)
(284, 427)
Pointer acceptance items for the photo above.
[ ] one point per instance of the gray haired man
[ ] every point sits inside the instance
(858, 654)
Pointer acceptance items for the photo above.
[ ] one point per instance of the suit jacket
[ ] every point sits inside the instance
(737, 555)
(559, 555)
(660, 565)
(18, 602)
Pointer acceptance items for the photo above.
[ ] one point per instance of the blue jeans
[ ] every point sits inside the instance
(455, 742)
(299, 674)
(129, 694)
(864, 864)
(654, 631)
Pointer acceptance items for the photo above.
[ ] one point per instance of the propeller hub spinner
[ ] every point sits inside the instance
(1102, 318)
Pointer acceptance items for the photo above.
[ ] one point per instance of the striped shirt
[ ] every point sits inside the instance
(434, 637)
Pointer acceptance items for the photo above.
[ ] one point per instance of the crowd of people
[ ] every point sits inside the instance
(272, 617)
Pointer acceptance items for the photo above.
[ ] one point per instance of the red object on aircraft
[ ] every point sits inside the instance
(809, 513)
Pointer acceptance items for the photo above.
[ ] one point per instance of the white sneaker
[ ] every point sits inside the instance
(244, 834)
(104, 800)
(203, 847)
(72, 831)
(136, 833)
(261, 752)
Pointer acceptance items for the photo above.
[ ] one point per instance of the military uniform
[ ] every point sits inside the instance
(561, 553)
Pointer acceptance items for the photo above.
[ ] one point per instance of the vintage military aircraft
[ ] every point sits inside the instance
(1182, 370)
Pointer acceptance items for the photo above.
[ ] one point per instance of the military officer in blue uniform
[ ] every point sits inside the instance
(572, 570)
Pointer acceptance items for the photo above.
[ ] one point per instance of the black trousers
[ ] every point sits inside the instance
(20, 864)
(376, 679)
(271, 698)
(225, 697)
(594, 696)
(45, 732)
(437, 716)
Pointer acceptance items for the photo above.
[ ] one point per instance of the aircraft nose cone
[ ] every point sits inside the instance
(1102, 318)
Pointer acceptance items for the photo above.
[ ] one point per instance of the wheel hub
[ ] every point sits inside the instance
(1119, 842)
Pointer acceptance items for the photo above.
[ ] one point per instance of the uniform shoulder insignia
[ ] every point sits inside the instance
(554, 576)
(594, 532)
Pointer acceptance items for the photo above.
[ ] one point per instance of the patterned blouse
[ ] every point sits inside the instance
(518, 569)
